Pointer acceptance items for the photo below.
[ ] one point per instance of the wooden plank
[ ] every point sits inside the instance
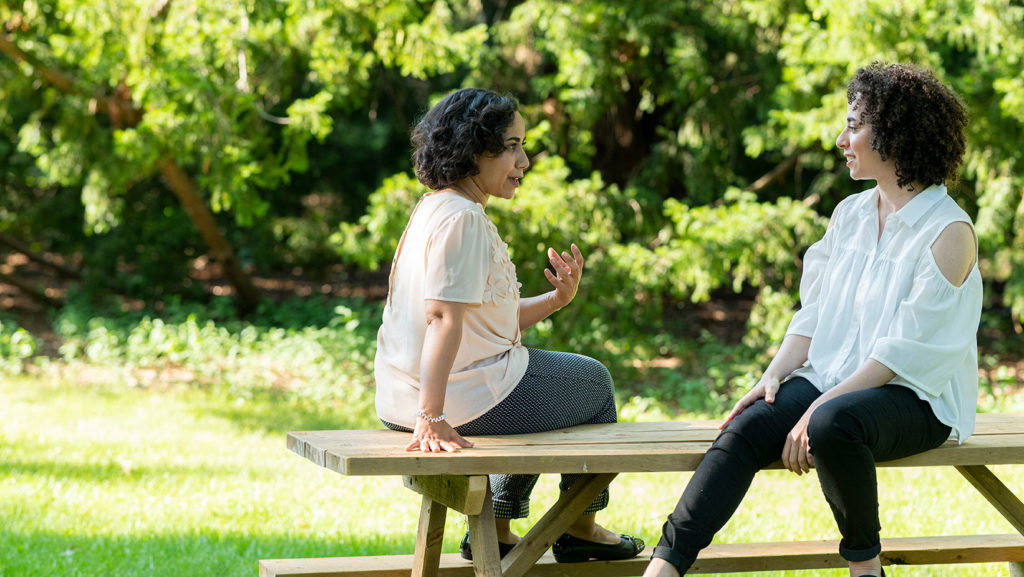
(582, 434)
(632, 457)
(459, 492)
(610, 433)
(429, 536)
(999, 423)
(483, 538)
(614, 447)
(554, 522)
(718, 558)
(997, 493)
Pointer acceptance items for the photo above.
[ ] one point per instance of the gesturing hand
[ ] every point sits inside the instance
(436, 437)
(566, 278)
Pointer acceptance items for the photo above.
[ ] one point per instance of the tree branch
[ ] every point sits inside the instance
(17, 246)
(119, 107)
(32, 292)
(777, 172)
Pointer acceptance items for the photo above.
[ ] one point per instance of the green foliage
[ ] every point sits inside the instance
(375, 237)
(310, 349)
(974, 46)
(16, 346)
(686, 146)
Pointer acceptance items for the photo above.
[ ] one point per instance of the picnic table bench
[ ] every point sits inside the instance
(458, 481)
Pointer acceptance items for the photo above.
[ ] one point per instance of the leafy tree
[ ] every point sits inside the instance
(688, 144)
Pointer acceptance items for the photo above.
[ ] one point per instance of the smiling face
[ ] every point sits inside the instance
(500, 174)
(864, 162)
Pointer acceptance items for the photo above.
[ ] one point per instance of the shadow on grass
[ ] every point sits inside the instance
(194, 554)
(278, 413)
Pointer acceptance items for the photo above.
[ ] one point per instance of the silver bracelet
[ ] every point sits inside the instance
(429, 419)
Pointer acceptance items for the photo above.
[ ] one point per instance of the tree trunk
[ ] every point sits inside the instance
(220, 249)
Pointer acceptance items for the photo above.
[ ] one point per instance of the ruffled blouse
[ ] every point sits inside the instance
(450, 251)
(864, 297)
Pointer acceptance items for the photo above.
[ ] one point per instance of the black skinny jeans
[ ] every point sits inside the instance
(848, 435)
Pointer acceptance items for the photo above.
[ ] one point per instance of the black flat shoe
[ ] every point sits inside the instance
(467, 553)
(569, 549)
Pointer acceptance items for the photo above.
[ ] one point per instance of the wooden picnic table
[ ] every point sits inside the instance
(459, 481)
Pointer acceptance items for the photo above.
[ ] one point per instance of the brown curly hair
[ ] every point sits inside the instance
(458, 129)
(915, 119)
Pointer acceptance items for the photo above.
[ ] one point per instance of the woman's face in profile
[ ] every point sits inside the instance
(864, 162)
(500, 175)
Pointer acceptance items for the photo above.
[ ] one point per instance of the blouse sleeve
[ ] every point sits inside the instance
(933, 330)
(456, 259)
(815, 262)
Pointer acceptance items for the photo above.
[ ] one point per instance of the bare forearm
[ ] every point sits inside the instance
(791, 356)
(440, 346)
(870, 375)
(532, 310)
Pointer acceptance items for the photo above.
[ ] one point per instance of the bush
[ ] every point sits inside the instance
(280, 348)
(16, 346)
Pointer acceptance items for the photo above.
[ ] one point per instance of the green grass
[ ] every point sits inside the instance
(133, 481)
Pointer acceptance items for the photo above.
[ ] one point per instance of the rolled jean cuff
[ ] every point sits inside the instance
(675, 558)
(855, 555)
(511, 509)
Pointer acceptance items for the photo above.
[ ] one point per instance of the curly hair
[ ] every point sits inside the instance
(462, 126)
(914, 118)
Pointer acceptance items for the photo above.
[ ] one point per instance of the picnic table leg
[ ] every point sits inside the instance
(998, 494)
(558, 518)
(1001, 497)
(484, 537)
(429, 536)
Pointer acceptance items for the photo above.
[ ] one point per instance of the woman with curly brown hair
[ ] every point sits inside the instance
(880, 362)
(449, 360)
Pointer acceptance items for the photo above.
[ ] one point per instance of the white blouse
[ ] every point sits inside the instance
(450, 251)
(864, 297)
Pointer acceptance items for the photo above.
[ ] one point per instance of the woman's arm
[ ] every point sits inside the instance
(532, 310)
(790, 357)
(565, 279)
(440, 345)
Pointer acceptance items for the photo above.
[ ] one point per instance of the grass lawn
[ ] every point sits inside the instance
(134, 481)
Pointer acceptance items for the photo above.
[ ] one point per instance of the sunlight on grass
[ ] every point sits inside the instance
(139, 482)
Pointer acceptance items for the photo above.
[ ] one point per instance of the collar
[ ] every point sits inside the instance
(921, 204)
(913, 211)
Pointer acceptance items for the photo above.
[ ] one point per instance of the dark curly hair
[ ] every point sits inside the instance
(914, 118)
(462, 126)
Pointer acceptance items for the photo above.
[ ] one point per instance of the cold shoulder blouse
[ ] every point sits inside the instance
(864, 297)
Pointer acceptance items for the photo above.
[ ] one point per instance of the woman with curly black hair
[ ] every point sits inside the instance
(880, 362)
(449, 360)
